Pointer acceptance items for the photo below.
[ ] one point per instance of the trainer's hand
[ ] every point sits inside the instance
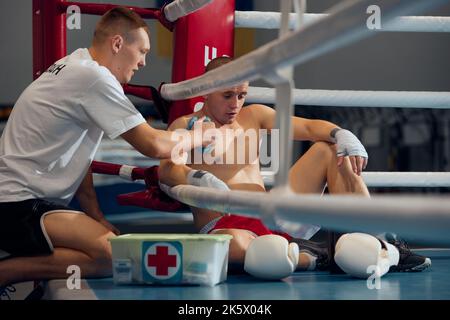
(349, 145)
(199, 126)
(203, 178)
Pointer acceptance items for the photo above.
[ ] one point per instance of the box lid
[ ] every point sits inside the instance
(171, 237)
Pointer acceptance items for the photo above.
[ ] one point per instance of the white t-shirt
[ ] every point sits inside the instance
(56, 126)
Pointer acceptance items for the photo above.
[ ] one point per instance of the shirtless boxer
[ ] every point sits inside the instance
(336, 160)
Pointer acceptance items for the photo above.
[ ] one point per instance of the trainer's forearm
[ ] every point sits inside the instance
(167, 144)
(156, 143)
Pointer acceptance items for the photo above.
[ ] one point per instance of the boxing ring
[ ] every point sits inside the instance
(423, 218)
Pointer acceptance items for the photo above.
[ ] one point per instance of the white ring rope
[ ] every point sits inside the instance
(372, 179)
(271, 20)
(407, 179)
(379, 178)
(424, 218)
(356, 98)
(393, 179)
(345, 24)
(181, 8)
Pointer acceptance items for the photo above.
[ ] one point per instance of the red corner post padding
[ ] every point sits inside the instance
(198, 38)
(152, 197)
(114, 169)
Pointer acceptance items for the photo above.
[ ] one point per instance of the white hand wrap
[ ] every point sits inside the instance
(348, 144)
(164, 187)
(201, 178)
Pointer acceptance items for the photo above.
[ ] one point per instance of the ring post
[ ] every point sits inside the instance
(49, 34)
(198, 38)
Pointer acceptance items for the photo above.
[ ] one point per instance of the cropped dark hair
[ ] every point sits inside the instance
(217, 62)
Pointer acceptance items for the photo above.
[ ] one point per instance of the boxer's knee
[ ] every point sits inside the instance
(324, 150)
(238, 244)
(327, 152)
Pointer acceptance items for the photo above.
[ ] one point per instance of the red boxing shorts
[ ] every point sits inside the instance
(240, 222)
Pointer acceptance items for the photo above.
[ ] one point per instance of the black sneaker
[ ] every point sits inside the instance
(6, 291)
(409, 261)
(317, 249)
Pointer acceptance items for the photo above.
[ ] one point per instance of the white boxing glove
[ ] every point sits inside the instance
(201, 178)
(271, 257)
(362, 255)
(348, 144)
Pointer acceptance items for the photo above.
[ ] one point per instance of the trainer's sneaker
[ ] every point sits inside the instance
(6, 291)
(409, 261)
(316, 249)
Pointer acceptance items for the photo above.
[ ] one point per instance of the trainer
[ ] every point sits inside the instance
(47, 148)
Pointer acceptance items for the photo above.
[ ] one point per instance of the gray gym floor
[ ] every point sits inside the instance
(432, 284)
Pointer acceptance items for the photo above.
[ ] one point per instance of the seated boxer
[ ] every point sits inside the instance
(336, 160)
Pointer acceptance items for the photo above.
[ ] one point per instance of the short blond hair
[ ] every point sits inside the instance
(119, 20)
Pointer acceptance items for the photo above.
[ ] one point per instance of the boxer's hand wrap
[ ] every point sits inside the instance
(201, 178)
(348, 144)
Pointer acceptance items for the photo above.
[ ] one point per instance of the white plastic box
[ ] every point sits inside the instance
(170, 258)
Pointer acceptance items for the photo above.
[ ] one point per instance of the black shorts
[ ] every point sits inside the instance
(22, 230)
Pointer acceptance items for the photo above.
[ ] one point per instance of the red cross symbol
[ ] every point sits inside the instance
(162, 261)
